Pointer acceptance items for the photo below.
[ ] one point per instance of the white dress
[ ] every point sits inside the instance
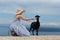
(19, 28)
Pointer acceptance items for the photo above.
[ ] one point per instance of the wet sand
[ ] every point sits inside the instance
(41, 37)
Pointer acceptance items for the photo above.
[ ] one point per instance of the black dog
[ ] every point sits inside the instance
(35, 25)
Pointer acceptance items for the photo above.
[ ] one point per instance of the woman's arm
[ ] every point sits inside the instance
(25, 19)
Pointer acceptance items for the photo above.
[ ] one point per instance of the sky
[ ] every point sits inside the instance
(49, 10)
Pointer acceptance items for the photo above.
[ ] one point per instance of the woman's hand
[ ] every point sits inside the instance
(33, 18)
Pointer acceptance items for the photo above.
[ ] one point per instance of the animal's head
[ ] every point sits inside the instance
(37, 16)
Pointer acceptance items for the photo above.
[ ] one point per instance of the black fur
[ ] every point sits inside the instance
(35, 25)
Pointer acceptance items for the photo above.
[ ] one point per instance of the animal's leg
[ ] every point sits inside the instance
(37, 32)
(33, 31)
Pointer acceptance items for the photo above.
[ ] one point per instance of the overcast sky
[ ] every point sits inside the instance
(49, 10)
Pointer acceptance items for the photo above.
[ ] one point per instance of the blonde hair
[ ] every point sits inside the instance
(19, 11)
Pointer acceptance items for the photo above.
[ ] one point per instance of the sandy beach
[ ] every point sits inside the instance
(41, 37)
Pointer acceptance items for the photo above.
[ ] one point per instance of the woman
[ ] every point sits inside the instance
(16, 28)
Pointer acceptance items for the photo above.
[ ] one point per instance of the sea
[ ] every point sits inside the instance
(43, 30)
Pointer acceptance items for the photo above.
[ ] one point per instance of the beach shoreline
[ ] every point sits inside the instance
(40, 37)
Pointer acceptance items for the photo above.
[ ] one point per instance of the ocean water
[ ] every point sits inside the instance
(43, 30)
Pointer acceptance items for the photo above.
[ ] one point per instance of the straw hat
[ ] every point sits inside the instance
(19, 11)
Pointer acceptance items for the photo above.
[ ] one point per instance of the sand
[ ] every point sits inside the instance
(41, 37)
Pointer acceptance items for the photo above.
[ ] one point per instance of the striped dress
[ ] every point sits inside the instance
(19, 28)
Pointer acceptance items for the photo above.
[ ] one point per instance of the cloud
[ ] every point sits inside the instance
(51, 23)
(6, 18)
(40, 7)
(6, 21)
(35, 6)
(42, 23)
(25, 1)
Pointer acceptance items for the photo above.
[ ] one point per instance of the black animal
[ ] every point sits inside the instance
(35, 25)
